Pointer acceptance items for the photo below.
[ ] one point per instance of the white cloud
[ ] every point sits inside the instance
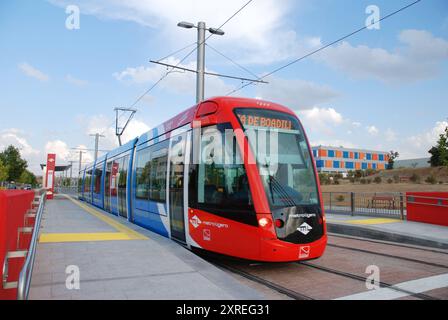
(295, 93)
(60, 148)
(32, 72)
(372, 130)
(323, 123)
(427, 139)
(419, 58)
(250, 34)
(18, 139)
(178, 82)
(322, 117)
(77, 82)
(106, 126)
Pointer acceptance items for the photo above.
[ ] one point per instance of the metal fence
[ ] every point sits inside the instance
(67, 190)
(390, 205)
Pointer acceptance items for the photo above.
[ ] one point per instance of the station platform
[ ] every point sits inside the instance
(118, 260)
(386, 229)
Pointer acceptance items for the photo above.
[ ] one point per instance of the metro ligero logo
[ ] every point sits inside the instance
(305, 228)
(195, 221)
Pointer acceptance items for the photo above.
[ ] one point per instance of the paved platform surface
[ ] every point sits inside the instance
(119, 260)
(389, 229)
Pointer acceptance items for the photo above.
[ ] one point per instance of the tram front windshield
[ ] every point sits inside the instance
(283, 157)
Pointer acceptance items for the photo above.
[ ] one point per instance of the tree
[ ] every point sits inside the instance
(3, 171)
(392, 157)
(439, 153)
(28, 177)
(12, 159)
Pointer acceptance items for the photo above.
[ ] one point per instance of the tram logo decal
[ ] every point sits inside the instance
(304, 252)
(206, 235)
(195, 221)
(305, 228)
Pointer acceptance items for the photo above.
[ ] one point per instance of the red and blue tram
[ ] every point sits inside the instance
(230, 175)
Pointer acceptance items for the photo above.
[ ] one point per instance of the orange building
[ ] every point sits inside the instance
(339, 159)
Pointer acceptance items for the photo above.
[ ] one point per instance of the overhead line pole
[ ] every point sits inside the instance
(97, 138)
(200, 67)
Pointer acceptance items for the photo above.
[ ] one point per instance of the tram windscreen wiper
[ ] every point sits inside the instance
(275, 186)
(280, 190)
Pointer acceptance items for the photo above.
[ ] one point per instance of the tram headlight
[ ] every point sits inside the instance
(263, 222)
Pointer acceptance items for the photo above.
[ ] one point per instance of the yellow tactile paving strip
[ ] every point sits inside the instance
(366, 221)
(124, 233)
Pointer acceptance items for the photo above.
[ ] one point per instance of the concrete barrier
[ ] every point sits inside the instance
(14, 204)
(428, 207)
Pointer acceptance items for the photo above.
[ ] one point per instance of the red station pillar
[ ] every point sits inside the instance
(49, 177)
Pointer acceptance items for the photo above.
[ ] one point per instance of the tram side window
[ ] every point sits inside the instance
(143, 174)
(80, 183)
(124, 162)
(157, 171)
(97, 180)
(87, 181)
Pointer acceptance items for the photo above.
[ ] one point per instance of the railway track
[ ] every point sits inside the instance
(274, 286)
(364, 279)
(293, 294)
(389, 256)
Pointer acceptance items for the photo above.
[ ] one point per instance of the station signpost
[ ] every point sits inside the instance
(49, 177)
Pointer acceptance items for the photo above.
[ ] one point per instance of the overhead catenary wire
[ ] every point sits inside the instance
(326, 46)
(233, 61)
(177, 51)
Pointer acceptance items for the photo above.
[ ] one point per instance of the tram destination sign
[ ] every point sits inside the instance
(265, 122)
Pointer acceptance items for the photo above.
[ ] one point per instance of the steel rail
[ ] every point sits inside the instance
(274, 286)
(421, 296)
(437, 265)
(387, 243)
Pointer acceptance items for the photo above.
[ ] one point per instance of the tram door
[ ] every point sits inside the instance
(176, 187)
(122, 183)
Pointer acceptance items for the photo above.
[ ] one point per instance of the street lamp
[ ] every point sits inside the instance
(186, 25)
(200, 67)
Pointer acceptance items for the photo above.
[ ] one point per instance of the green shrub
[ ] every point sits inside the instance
(415, 178)
(324, 179)
(396, 178)
(377, 180)
(363, 181)
(369, 181)
(431, 179)
(340, 198)
(390, 181)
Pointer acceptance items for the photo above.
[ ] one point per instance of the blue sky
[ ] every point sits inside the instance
(382, 89)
